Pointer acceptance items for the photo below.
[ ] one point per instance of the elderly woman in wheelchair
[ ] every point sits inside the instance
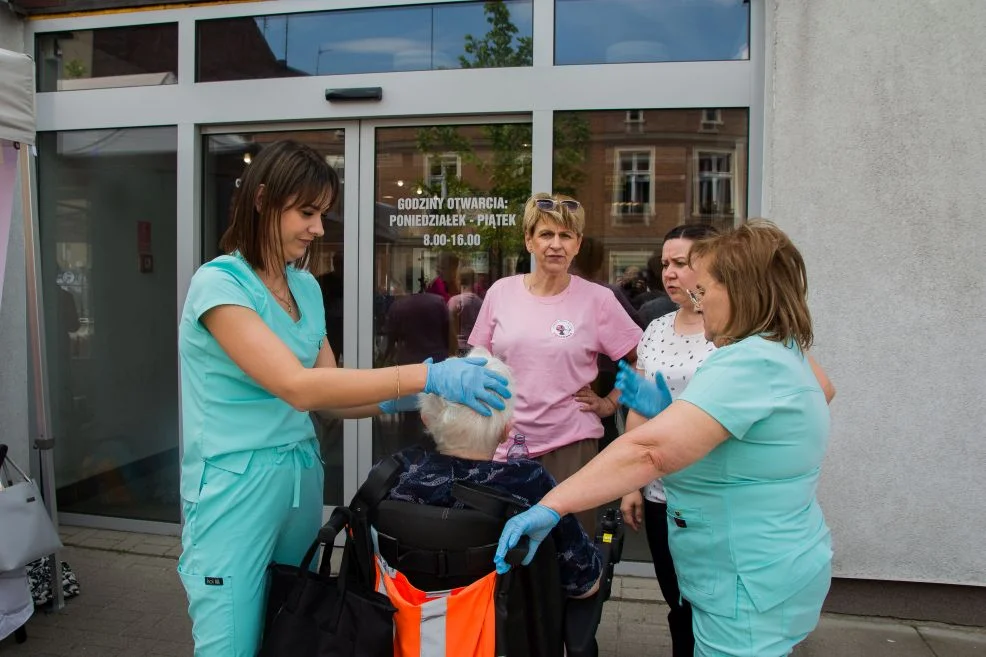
(435, 536)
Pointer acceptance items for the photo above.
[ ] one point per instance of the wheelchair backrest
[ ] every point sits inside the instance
(436, 548)
(439, 549)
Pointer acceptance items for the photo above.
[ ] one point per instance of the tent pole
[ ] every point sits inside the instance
(44, 442)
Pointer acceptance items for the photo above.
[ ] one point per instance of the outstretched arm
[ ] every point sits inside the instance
(674, 439)
(327, 359)
(255, 349)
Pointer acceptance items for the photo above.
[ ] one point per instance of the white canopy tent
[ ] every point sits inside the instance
(16, 97)
(17, 134)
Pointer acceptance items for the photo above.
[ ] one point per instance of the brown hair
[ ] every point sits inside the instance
(569, 219)
(765, 278)
(291, 175)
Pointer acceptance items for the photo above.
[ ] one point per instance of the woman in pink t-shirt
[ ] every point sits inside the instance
(549, 326)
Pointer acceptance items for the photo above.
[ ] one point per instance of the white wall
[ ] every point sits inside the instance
(13, 308)
(875, 153)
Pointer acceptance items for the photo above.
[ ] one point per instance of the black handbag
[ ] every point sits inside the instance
(317, 614)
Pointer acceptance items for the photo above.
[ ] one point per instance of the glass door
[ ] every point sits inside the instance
(441, 208)
(227, 153)
(427, 221)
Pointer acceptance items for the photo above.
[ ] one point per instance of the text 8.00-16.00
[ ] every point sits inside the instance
(451, 239)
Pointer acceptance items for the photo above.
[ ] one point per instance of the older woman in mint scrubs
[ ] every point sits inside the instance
(740, 452)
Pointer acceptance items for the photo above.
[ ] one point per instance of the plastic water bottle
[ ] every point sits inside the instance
(518, 448)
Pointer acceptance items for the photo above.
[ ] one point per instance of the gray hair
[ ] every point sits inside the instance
(458, 428)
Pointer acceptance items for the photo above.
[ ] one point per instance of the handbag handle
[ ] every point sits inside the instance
(5, 460)
(326, 536)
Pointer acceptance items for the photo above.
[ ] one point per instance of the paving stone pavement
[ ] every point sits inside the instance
(132, 605)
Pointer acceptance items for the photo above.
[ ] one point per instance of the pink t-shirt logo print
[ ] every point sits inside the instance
(562, 328)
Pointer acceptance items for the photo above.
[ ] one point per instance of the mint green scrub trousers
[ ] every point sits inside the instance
(271, 510)
(753, 633)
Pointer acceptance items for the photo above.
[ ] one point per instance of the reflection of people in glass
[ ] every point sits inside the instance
(332, 288)
(417, 327)
(549, 326)
(588, 263)
(464, 308)
(446, 276)
(632, 281)
(254, 362)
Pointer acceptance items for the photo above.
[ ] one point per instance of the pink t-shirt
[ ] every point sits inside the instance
(550, 344)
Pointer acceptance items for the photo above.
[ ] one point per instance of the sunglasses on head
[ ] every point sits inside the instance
(550, 204)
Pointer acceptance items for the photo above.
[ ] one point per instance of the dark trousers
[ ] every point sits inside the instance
(680, 616)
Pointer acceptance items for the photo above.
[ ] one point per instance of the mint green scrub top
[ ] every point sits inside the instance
(225, 413)
(747, 512)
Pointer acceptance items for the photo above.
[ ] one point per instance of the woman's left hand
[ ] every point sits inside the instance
(535, 523)
(591, 402)
(648, 397)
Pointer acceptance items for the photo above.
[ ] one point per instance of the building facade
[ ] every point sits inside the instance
(861, 143)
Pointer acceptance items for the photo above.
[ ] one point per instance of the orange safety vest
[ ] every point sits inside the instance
(456, 623)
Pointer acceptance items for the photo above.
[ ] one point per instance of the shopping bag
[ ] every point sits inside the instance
(316, 614)
(28, 533)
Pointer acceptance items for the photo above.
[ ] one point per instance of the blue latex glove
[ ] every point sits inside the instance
(403, 404)
(641, 394)
(466, 381)
(535, 523)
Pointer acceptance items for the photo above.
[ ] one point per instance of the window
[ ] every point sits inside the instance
(424, 37)
(135, 56)
(711, 120)
(620, 31)
(633, 192)
(440, 170)
(714, 183)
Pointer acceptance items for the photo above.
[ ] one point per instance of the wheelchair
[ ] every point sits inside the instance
(442, 549)
(431, 570)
